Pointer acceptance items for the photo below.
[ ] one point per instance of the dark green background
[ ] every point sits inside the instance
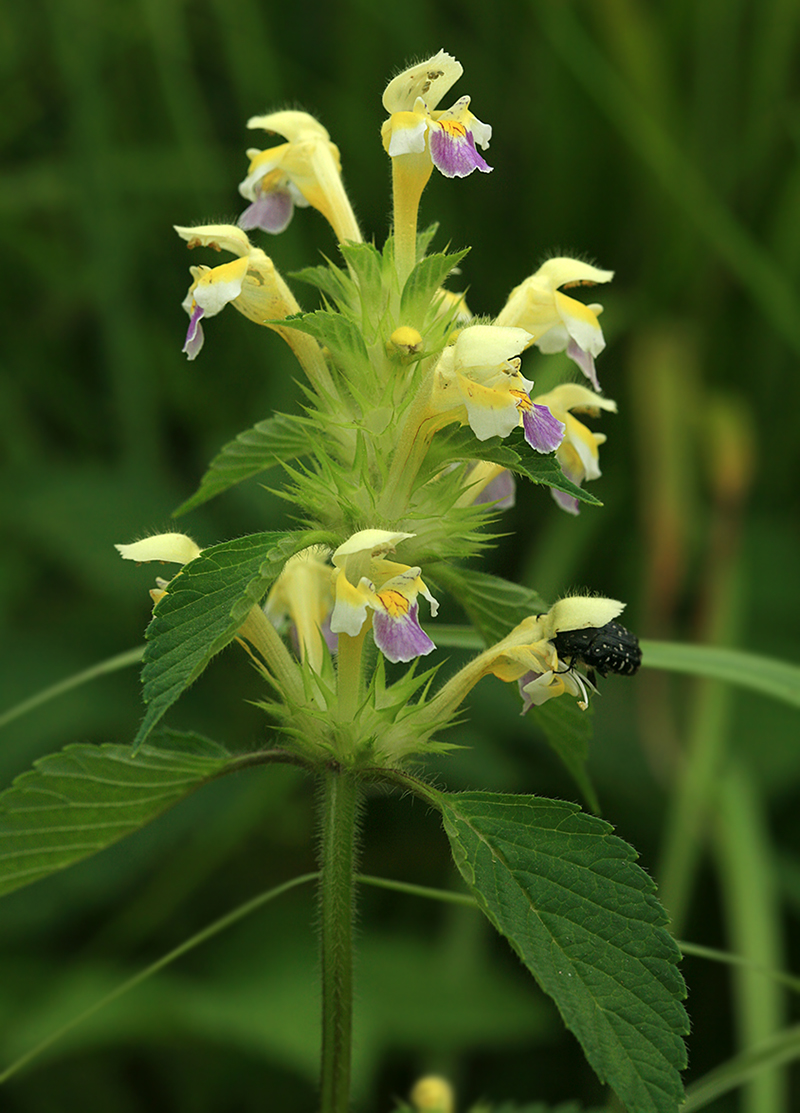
(657, 139)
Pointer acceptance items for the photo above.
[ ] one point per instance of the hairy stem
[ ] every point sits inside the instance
(340, 801)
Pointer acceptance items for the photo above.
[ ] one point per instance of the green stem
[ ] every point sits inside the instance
(340, 805)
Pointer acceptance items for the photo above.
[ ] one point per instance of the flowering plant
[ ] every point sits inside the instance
(418, 421)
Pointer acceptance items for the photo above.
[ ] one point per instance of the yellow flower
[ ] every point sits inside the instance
(578, 453)
(555, 320)
(304, 593)
(167, 548)
(365, 580)
(306, 170)
(173, 548)
(478, 382)
(446, 139)
(252, 285)
(433, 1094)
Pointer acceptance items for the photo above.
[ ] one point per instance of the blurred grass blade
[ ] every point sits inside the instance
(756, 269)
(207, 933)
(111, 664)
(782, 1049)
(769, 677)
(447, 896)
(698, 951)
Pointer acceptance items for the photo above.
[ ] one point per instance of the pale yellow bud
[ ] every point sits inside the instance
(433, 1095)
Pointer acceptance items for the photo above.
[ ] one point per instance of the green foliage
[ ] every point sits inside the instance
(584, 919)
(340, 335)
(547, 470)
(458, 445)
(427, 277)
(494, 606)
(74, 803)
(270, 442)
(204, 607)
(776, 679)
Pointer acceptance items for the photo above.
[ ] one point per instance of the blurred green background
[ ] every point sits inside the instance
(660, 139)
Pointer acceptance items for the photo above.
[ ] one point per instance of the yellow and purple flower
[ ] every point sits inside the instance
(249, 282)
(365, 581)
(478, 378)
(305, 170)
(447, 138)
(578, 452)
(556, 321)
(303, 595)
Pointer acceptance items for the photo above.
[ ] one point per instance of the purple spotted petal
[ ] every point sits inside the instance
(401, 639)
(271, 212)
(194, 335)
(501, 491)
(455, 157)
(584, 360)
(542, 431)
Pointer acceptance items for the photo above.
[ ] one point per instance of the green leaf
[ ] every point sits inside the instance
(366, 265)
(331, 280)
(584, 919)
(458, 444)
(341, 336)
(268, 443)
(204, 607)
(423, 282)
(494, 606)
(76, 802)
(547, 470)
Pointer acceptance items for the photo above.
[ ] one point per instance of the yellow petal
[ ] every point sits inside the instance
(176, 548)
(220, 237)
(429, 79)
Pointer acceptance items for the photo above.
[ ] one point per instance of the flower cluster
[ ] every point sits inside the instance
(418, 416)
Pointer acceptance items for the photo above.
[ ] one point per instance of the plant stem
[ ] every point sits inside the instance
(340, 805)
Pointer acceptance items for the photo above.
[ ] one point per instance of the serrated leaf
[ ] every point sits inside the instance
(423, 282)
(584, 918)
(76, 802)
(274, 441)
(205, 605)
(331, 280)
(458, 444)
(547, 470)
(366, 265)
(341, 336)
(494, 605)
